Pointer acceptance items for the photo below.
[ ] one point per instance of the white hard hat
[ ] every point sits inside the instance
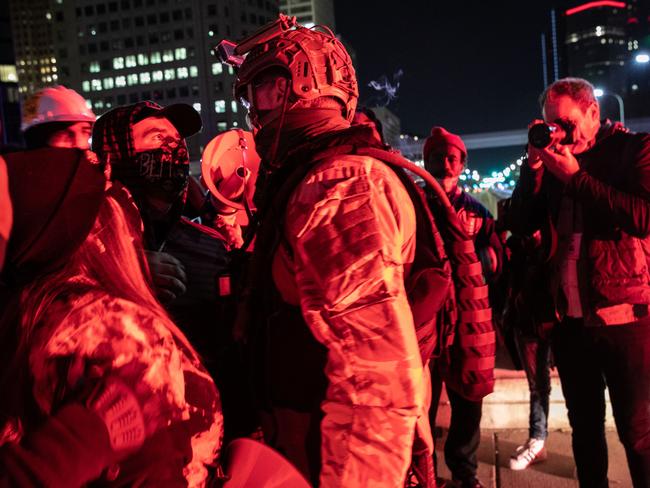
(229, 167)
(55, 104)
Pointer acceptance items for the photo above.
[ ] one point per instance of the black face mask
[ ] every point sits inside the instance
(162, 172)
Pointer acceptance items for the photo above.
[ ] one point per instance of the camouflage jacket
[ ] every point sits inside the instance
(97, 332)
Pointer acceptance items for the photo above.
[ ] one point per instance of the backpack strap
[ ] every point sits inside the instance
(469, 358)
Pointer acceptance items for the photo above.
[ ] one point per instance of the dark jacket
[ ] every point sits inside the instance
(613, 187)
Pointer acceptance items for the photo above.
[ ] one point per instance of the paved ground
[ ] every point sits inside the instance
(505, 418)
(558, 471)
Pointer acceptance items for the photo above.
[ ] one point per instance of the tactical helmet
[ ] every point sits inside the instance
(316, 62)
(55, 104)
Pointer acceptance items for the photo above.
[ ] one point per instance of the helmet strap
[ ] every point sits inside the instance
(278, 132)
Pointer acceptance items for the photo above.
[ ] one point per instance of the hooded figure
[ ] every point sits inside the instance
(97, 383)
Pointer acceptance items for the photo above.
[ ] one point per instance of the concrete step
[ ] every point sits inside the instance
(509, 405)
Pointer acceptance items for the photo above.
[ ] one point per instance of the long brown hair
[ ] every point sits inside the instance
(110, 260)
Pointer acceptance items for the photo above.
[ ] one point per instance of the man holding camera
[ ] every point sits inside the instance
(587, 188)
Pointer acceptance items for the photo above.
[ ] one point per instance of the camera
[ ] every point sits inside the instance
(543, 135)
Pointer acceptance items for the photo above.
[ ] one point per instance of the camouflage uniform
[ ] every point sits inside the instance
(97, 332)
(348, 235)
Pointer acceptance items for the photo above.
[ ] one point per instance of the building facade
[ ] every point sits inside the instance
(606, 42)
(9, 96)
(310, 12)
(116, 52)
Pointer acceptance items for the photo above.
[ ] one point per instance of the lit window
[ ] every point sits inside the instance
(96, 85)
(99, 104)
(182, 72)
(55, 77)
(130, 61)
(167, 56)
(155, 58)
(53, 60)
(157, 75)
(120, 81)
(230, 70)
(194, 71)
(132, 79)
(85, 86)
(217, 68)
(221, 126)
(48, 16)
(220, 106)
(180, 53)
(118, 63)
(143, 59)
(94, 67)
(170, 74)
(145, 78)
(108, 83)
(233, 106)
(89, 104)
(197, 106)
(635, 87)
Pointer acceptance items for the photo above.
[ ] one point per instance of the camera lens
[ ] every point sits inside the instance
(540, 135)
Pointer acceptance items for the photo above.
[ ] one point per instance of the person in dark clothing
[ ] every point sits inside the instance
(592, 191)
(445, 157)
(528, 320)
(145, 147)
(144, 144)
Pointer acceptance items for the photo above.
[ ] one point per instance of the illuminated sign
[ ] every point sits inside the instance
(590, 5)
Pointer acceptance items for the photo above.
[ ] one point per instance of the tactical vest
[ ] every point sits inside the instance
(288, 361)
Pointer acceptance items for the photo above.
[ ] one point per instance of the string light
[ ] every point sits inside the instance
(504, 180)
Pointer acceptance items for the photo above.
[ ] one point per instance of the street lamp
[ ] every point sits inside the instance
(599, 92)
(642, 58)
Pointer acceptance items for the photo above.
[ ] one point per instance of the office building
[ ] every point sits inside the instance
(9, 97)
(606, 42)
(310, 12)
(116, 52)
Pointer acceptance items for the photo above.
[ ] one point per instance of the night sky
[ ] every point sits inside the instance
(469, 65)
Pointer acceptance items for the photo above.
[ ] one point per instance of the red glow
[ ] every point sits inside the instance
(632, 20)
(590, 5)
